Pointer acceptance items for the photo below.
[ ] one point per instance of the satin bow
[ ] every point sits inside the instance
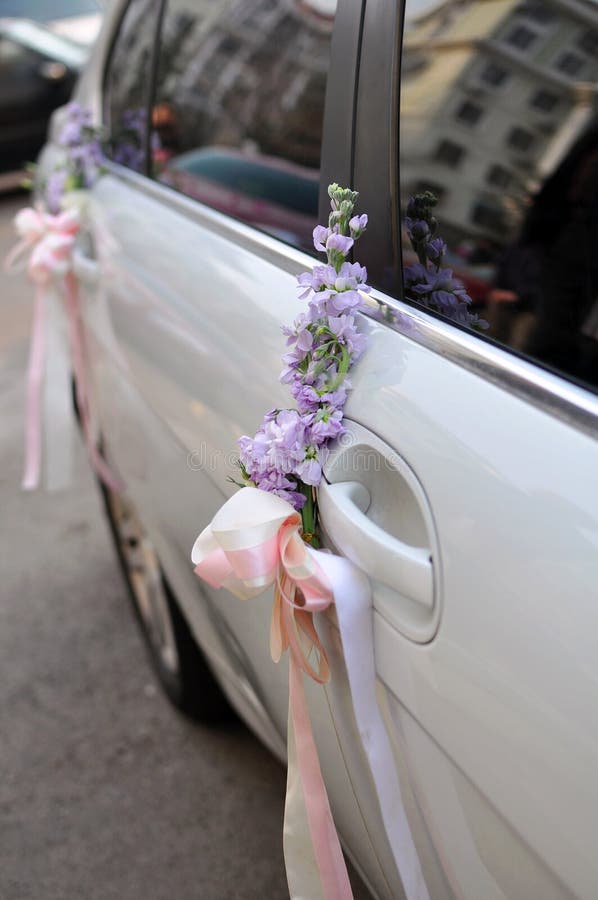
(247, 560)
(254, 542)
(50, 240)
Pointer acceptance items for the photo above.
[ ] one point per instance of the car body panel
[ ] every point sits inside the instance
(492, 714)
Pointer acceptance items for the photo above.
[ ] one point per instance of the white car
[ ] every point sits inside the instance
(476, 441)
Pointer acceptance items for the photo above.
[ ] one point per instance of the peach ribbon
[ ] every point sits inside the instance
(50, 240)
(254, 542)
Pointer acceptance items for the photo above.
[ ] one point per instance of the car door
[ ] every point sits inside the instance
(195, 251)
(478, 445)
(479, 459)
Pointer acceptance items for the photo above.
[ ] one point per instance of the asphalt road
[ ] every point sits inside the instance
(105, 791)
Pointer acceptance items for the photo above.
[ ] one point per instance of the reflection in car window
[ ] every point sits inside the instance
(237, 119)
(127, 83)
(47, 10)
(499, 121)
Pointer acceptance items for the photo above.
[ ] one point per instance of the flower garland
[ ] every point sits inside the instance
(82, 165)
(48, 233)
(266, 536)
(286, 455)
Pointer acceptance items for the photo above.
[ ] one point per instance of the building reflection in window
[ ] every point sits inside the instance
(518, 192)
(239, 108)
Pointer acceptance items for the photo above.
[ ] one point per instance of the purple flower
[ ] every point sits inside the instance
(306, 398)
(433, 284)
(321, 235)
(340, 303)
(70, 134)
(345, 330)
(350, 277)
(299, 334)
(357, 225)
(321, 277)
(338, 397)
(309, 470)
(285, 488)
(83, 150)
(279, 444)
(339, 242)
(435, 250)
(327, 425)
(440, 291)
(418, 230)
(55, 188)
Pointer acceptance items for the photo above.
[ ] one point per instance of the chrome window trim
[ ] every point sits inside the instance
(544, 390)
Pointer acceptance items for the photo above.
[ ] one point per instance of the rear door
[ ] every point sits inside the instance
(479, 446)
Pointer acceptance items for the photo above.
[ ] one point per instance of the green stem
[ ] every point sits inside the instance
(309, 514)
(343, 368)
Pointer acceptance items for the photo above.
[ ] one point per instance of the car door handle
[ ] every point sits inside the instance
(85, 268)
(401, 567)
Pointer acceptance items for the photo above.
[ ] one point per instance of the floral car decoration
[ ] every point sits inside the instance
(48, 234)
(266, 535)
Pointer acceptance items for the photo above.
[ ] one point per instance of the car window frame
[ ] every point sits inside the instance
(377, 150)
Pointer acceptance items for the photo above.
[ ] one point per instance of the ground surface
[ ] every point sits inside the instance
(105, 791)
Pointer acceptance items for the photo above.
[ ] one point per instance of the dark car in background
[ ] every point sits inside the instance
(43, 47)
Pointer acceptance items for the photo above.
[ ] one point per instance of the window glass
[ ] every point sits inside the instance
(502, 234)
(521, 37)
(494, 74)
(469, 113)
(544, 100)
(520, 139)
(47, 10)
(237, 119)
(127, 82)
(570, 64)
(449, 154)
(499, 176)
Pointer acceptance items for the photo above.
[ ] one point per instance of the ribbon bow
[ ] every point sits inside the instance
(254, 542)
(50, 240)
(270, 552)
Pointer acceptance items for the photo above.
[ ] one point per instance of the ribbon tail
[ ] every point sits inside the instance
(81, 387)
(58, 407)
(33, 413)
(313, 856)
(10, 261)
(354, 610)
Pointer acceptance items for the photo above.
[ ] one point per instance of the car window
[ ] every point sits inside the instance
(499, 123)
(237, 117)
(127, 84)
(47, 10)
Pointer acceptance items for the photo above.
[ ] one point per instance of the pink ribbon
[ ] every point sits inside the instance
(273, 552)
(254, 542)
(50, 240)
